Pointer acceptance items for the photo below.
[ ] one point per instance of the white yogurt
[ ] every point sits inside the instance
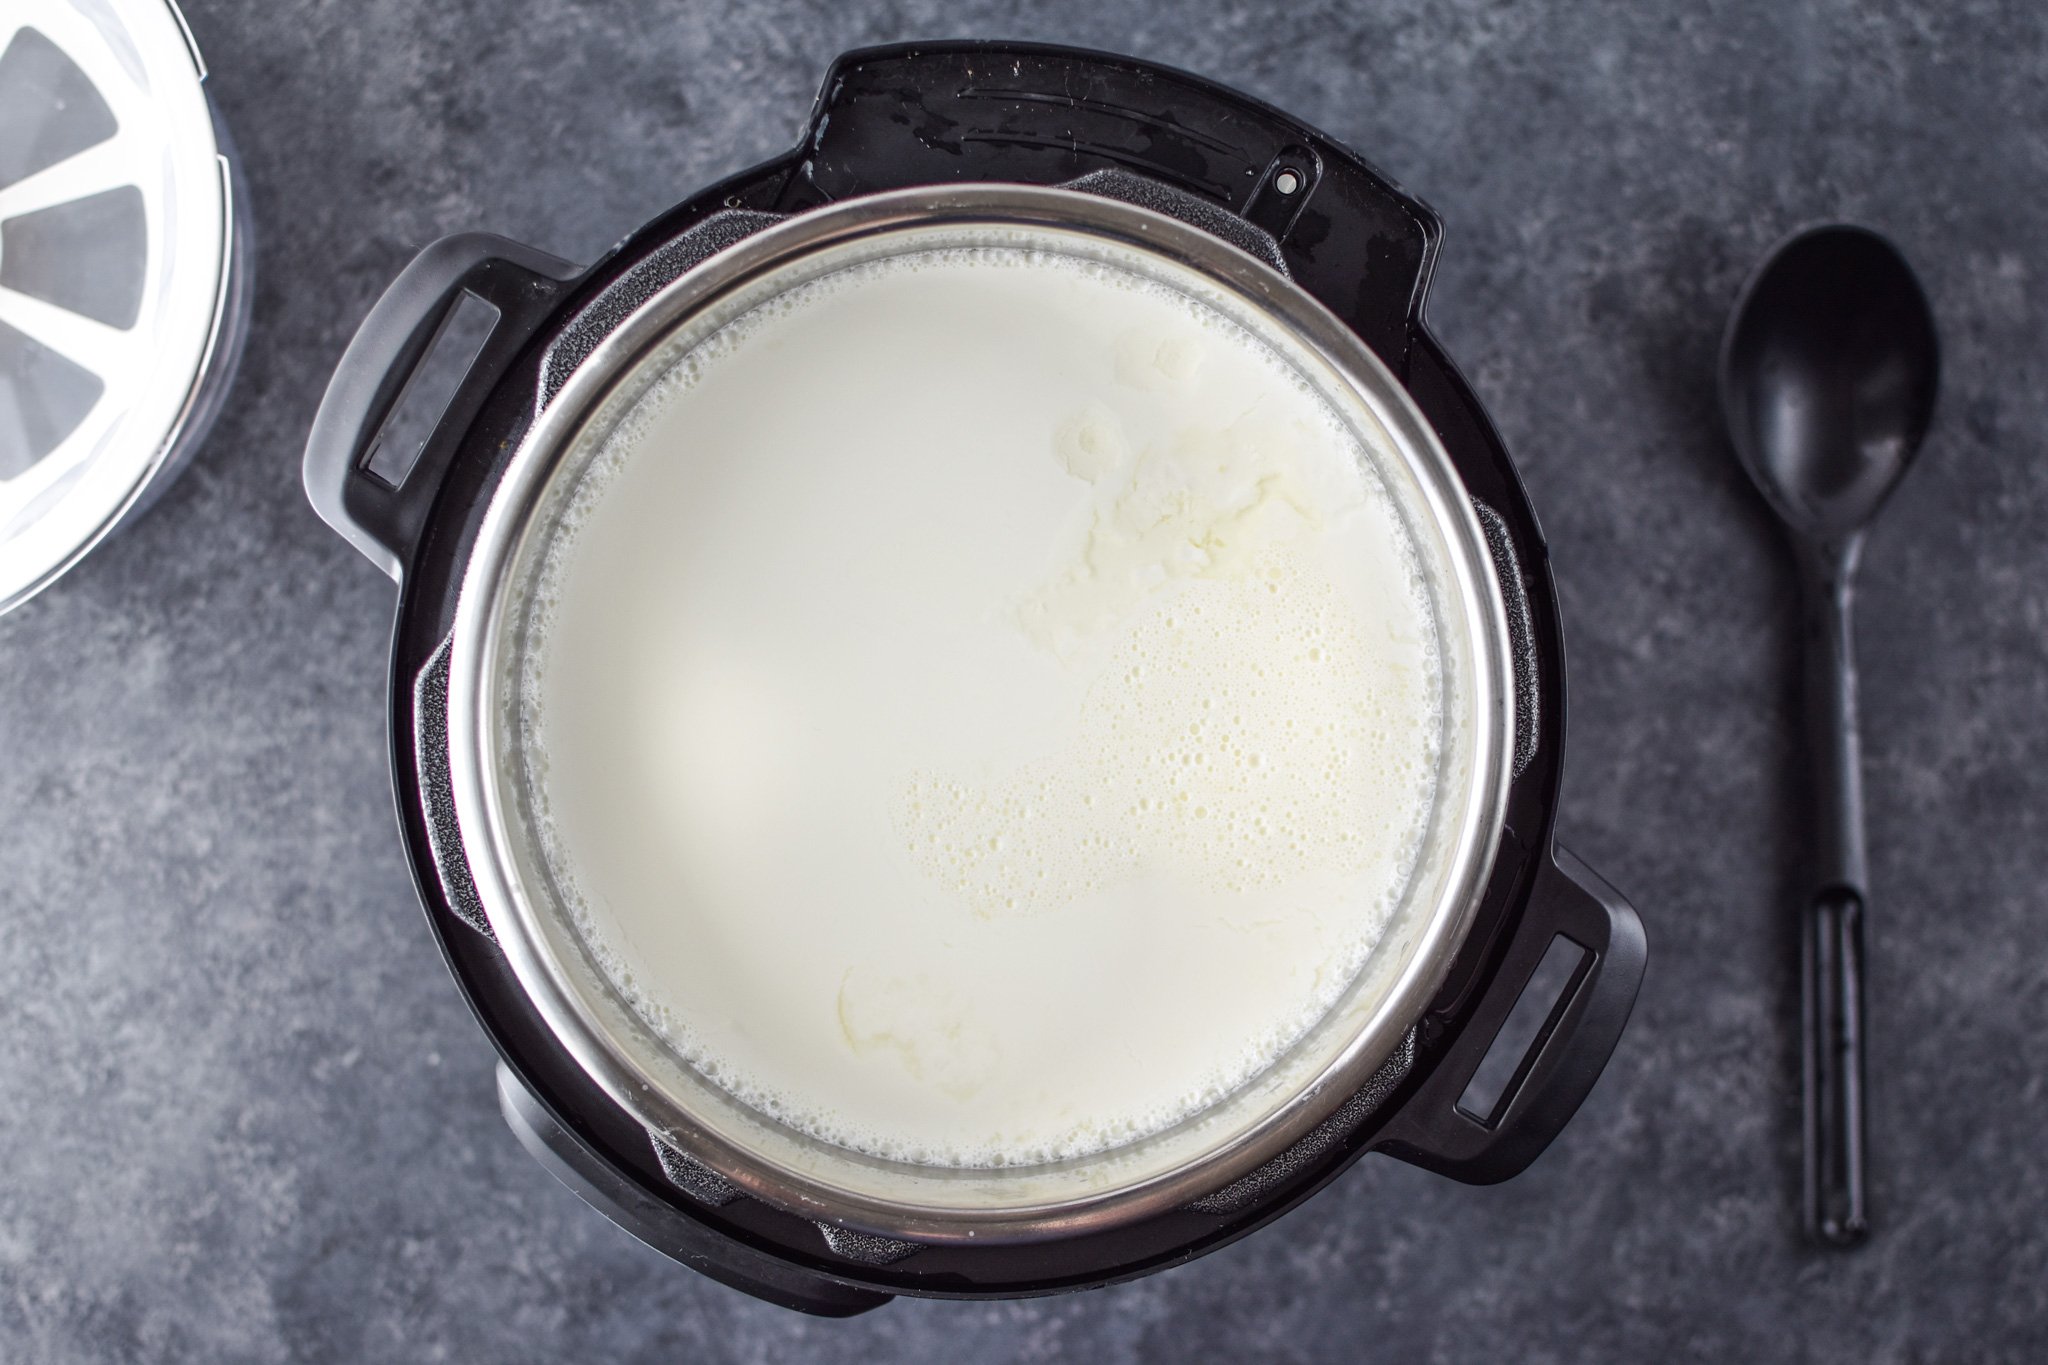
(985, 707)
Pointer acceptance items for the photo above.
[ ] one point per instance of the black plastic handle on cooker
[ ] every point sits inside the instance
(381, 518)
(1552, 1078)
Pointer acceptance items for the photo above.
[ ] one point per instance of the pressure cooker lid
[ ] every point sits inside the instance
(114, 236)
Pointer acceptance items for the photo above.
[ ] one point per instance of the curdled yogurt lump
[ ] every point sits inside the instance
(983, 707)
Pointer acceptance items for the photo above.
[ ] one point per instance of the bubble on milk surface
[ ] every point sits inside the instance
(1176, 760)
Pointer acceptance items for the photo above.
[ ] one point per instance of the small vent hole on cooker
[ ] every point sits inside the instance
(428, 392)
(1499, 1074)
(1287, 181)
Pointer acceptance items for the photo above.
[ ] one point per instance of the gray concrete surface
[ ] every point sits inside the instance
(244, 1115)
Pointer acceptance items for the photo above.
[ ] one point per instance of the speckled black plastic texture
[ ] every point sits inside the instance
(867, 1248)
(1247, 1190)
(693, 1177)
(1190, 209)
(1507, 570)
(602, 316)
(437, 791)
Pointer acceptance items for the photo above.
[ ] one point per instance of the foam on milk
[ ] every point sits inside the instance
(981, 707)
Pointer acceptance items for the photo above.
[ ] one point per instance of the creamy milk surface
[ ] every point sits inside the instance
(981, 707)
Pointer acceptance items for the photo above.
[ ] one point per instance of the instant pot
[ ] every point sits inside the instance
(488, 370)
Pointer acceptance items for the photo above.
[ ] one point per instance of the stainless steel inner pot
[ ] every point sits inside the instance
(944, 1204)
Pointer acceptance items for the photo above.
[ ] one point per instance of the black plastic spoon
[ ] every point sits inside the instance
(1828, 377)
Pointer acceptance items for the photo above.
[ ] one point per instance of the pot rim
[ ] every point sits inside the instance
(898, 1199)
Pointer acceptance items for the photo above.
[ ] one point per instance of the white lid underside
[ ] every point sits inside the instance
(113, 239)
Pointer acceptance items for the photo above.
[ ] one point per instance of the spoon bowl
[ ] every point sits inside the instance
(1828, 378)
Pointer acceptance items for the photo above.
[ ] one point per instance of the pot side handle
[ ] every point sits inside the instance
(381, 507)
(1486, 1133)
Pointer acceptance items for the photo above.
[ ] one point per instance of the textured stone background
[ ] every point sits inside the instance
(244, 1115)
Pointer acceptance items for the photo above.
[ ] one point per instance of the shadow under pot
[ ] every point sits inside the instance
(979, 713)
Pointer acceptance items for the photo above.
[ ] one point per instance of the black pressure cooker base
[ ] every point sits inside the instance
(896, 117)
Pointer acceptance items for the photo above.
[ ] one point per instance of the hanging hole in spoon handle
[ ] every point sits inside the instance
(1831, 988)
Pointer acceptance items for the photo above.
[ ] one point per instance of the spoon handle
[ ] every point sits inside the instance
(1833, 1009)
(1831, 975)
